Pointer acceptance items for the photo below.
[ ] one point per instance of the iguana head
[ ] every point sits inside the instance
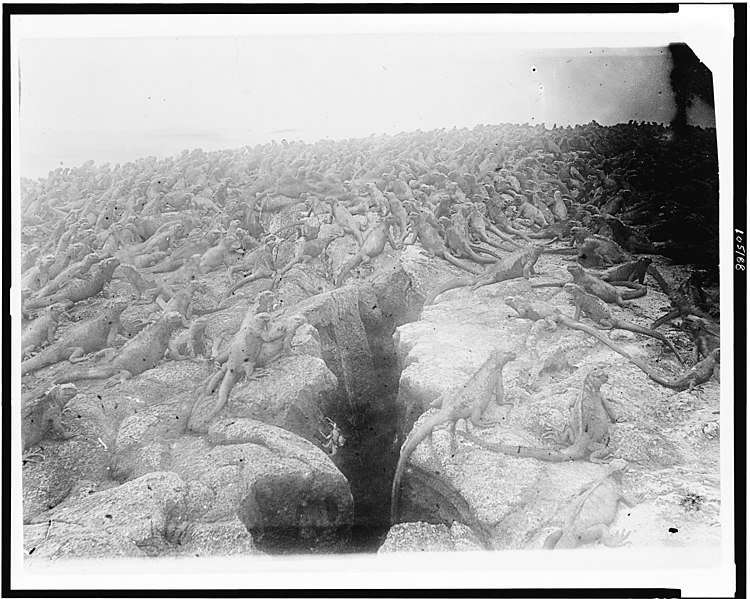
(117, 306)
(618, 464)
(295, 321)
(263, 317)
(265, 301)
(501, 356)
(175, 319)
(575, 269)
(597, 376)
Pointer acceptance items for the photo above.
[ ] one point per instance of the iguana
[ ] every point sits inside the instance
(459, 245)
(190, 342)
(344, 219)
(241, 355)
(513, 266)
(41, 331)
(595, 286)
(478, 229)
(80, 288)
(38, 276)
(71, 255)
(265, 268)
(136, 280)
(539, 311)
(41, 413)
(705, 334)
(71, 272)
(598, 252)
(685, 300)
(588, 518)
(502, 227)
(82, 338)
(311, 248)
(470, 402)
(597, 310)
(399, 214)
(628, 272)
(372, 246)
(265, 301)
(141, 353)
(217, 256)
(556, 231)
(433, 244)
(277, 340)
(587, 432)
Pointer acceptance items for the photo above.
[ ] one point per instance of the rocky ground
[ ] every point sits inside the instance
(134, 481)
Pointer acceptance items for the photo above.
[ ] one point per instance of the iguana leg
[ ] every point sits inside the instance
(257, 374)
(601, 532)
(120, 377)
(601, 454)
(77, 355)
(607, 405)
(32, 456)
(552, 539)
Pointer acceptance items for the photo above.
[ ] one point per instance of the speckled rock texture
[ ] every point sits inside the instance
(669, 439)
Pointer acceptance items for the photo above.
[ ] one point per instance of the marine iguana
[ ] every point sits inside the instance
(594, 285)
(513, 266)
(241, 355)
(265, 268)
(459, 245)
(80, 288)
(598, 252)
(82, 338)
(277, 340)
(587, 432)
(588, 518)
(400, 216)
(470, 402)
(478, 229)
(344, 219)
(373, 246)
(38, 276)
(311, 248)
(697, 375)
(41, 331)
(190, 342)
(502, 227)
(41, 413)
(141, 353)
(597, 310)
(76, 269)
(433, 244)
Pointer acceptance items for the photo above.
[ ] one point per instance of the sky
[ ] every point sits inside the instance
(115, 100)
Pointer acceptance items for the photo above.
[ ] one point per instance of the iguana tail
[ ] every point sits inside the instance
(654, 272)
(99, 372)
(455, 261)
(42, 359)
(416, 436)
(488, 240)
(564, 251)
(452, 284)
(350, 264)
(35, 303)
(655, 334)
(519, 451)
(572, 324)
(629, 295)
(481, 259)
